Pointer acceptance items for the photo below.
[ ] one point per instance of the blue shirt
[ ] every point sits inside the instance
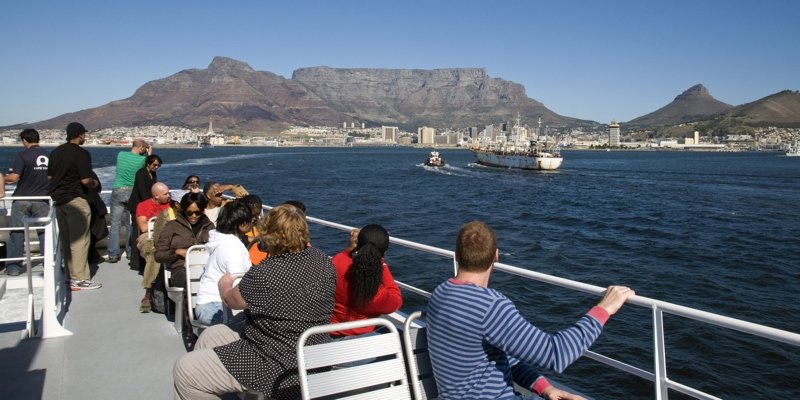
(480, 344)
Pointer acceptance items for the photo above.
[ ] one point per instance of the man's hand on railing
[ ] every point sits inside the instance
(614, 298)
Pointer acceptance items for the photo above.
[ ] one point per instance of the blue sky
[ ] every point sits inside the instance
(594, 60)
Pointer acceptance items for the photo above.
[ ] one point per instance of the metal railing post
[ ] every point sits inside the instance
(659, 351)
(54, 288)
(30, 324)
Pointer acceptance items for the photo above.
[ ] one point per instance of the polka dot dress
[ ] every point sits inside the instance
(286, 295)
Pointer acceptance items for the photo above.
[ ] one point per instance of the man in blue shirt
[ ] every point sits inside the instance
(479, 343)
(29, 171)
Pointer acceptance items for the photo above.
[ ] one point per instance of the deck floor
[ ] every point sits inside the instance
(115, 351)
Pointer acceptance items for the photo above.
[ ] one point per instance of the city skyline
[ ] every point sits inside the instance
(597, 61)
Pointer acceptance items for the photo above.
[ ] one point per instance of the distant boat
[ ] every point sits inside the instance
(794, 150)
(521, 153)
(434, 160)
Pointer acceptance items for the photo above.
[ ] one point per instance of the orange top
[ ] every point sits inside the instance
(256, 255)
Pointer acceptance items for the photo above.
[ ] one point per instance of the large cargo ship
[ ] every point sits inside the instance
(518, 152)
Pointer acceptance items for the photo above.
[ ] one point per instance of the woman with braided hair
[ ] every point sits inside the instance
(364, 286)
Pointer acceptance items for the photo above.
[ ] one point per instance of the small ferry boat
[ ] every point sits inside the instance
(434, 159)
(794, 150)
(519, 153)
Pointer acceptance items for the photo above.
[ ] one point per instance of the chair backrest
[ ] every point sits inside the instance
(150, 224)
(383, 377)
(418, 360)
(196, 261)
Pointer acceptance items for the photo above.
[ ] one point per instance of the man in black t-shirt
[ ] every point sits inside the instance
(70, 169)
(29, 171)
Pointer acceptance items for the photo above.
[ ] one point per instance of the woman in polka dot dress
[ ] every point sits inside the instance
(284, 295)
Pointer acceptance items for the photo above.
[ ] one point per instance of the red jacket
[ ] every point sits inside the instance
(387, 300)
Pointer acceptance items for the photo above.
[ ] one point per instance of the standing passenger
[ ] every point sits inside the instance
(70, 170)
(479, 343)
(30, 172)
(142, 185)
(128, 162)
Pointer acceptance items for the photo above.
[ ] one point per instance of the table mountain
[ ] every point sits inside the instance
(240, 99)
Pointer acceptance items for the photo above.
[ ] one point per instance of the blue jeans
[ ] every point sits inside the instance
(119, 214)
(16, 239)
(209, 313)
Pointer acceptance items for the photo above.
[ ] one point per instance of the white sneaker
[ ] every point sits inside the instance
(76, 285)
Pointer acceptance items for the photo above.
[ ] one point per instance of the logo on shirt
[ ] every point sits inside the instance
(41, 161)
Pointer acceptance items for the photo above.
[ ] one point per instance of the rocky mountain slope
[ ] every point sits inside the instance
(694, 104)
(238, 98)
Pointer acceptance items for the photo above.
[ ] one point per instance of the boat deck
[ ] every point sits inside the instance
(115, 351)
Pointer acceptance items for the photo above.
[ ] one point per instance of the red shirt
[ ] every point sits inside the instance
(150, 208)
(387, 300)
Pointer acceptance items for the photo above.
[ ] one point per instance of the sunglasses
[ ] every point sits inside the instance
(194, 181)
(193, 213)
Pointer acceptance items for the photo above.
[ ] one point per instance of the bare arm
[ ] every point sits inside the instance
(142, 223)
(230, 294)
(12, 177)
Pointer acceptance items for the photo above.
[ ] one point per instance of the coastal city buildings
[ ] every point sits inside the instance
(425, 135)
(613, 134)
(351, 134)
(390, 134)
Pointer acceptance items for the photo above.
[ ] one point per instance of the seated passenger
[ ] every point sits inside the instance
(190, 227)
(364, 286)
(256, 207)
(480, 344)
(226, 254)
(214, 191)
(293, 292)
(256, 249)
(147, 209)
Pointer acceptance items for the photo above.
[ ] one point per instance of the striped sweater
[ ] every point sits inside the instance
(480, 344)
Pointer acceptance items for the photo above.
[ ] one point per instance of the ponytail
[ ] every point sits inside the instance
(365, 274)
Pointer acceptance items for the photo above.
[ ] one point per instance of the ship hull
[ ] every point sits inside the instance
(492, 159)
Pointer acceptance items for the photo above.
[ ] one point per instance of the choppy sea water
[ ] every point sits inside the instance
(714, 231)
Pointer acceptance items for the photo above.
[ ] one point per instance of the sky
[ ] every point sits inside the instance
(595, 60)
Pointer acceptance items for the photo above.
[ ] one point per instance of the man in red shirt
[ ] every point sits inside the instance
(144, 211)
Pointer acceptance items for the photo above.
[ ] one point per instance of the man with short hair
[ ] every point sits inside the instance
(144, 211)
(128, 162)
(29, 171)
(479, 343)
(70, 171)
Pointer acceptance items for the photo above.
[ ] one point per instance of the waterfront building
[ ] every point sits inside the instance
(425, 134)
(390, 133)
(613, 134)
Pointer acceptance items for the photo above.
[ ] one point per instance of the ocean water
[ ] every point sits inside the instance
(718, 232)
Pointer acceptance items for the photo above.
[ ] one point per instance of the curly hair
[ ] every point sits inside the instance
(284, 230)
(365, 275)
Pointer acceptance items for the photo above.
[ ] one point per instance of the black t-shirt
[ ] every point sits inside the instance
(69, 163)
(31, 166)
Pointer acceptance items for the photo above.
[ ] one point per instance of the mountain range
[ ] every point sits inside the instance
(239, 99)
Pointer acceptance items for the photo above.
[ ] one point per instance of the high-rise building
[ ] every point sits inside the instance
(390, 133)
(425, 134)
(613, 134)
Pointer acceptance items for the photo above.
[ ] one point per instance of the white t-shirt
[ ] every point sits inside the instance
(226, 253)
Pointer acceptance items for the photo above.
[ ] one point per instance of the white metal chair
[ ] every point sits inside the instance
(383, 377)
(420, 372)
(151, 223)
(196, 261)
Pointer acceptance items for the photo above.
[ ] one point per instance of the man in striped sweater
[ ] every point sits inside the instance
(480, 344)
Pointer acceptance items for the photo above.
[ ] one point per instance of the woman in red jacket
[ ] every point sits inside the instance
(364, 286)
